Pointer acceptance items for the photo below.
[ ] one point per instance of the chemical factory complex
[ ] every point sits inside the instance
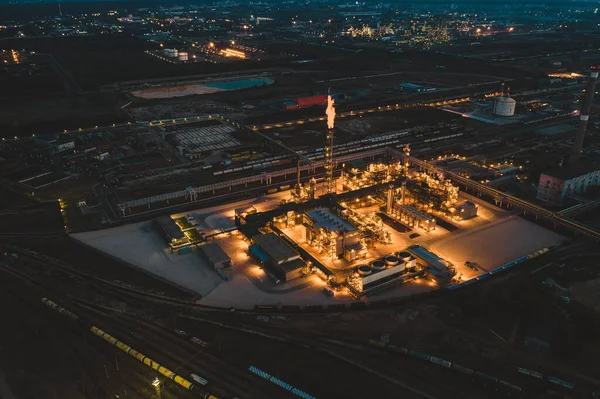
(249, 200)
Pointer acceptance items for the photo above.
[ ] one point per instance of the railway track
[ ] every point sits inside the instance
(178, 349)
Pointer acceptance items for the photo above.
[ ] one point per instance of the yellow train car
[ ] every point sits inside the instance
(145, 359)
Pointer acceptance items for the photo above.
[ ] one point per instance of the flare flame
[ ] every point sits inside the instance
(330, 112)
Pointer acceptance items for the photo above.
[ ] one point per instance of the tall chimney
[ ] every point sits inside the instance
(585, 114)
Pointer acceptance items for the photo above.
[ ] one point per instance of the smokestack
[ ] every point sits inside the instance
(330, 113)
(585, 114)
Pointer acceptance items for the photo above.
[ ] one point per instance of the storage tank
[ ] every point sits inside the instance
(183, 56)
(364, 270)
(378, 265)
(175, 52)
(504, 106)
(167, 52)
(404, 256)
(391, 260)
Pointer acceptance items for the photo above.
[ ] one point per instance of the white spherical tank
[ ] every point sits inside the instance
(183, 56)
(504, 106)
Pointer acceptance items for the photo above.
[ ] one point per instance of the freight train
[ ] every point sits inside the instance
(445, 363)
(499, 269)
(130, 351)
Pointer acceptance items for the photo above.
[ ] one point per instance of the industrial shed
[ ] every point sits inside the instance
(276, 256)
(466, 210)
(441, 269)
(171, 232)
(215, 256)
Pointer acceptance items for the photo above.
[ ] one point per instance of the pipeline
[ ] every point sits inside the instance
(145, 359)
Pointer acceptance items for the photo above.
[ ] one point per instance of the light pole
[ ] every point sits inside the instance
(156, 385)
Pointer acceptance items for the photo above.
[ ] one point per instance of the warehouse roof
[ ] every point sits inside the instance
(275, 247)
(573, 170)
(169, 227)
(324, 218)
(292, 265)
(440, 265)
(466, 205)
(215, 253)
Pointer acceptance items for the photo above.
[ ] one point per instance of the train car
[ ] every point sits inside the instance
(57, 308)
(419, 355)
(142, 358)
(511, 386)
(562, 383)
(440, 362)
(376, 343)
(530, 373)
(199, 342)
(397, 349)
(462, 369)
(199, 380)
(485, 376)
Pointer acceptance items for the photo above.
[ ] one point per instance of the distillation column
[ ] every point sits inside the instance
(390, 199)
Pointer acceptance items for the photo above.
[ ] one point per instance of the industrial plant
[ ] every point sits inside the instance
(249, 199)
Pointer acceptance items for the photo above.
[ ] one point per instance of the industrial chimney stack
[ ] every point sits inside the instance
(585, 114)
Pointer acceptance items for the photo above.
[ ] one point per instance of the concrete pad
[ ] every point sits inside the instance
(496, 244)
(142, 245)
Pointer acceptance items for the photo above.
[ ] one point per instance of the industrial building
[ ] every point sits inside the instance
(327, 230)
(574, 178)
(504, 106)
(276, 256)
(242, 213)
(171, 231)
(214, 255)
(382, 272)
(466, 210)
(415, 218)
(218, 259)
(440, 269)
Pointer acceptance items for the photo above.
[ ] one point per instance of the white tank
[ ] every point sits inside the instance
(504, 106)
(167, 52)
(183, 56)
(175, 52)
